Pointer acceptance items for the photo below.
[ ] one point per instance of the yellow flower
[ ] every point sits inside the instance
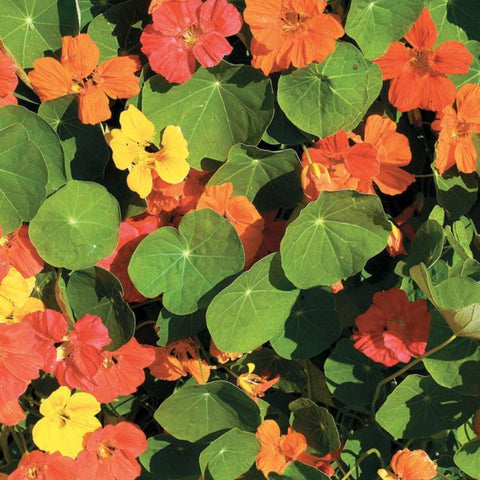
(15, 300)
(66, 420)
(133, 149)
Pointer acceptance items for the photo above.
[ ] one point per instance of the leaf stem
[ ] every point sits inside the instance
(362, 458)
(144, 324)
(406, 368)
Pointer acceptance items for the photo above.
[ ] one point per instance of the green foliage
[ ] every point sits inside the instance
(468, 458)
(176, 327)
(299, 471)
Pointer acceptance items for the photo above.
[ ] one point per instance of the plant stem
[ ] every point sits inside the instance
(361, 459)
(406, 368)
(144, 324)
(307, 154)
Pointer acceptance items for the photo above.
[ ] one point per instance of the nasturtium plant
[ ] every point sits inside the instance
(239, 239)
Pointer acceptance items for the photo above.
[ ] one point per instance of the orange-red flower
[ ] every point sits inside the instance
(418, 73)
(240, 212)
(39, 465)
(223, 357)
(8, 80)
(395, 242)
(11, 413)
(455, 143)
(255, 385)
(110, 453)
(288, 32)
(179, 359)
(393, 329)
(410, 465)
(79, 72)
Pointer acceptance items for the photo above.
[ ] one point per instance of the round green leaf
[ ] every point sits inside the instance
(333, 238)
(351, 376)
(176, 327)
(86, 152)
(77, 226)
(257, 304)
(32, 27)
(42, 135)
(420, 408)
(23, 177)
(216, 108)
(374, 25)
(323, 98)
(187, 265)
(468, 458)
(98, 292)
(230, 455)
(196, 411)
(268, 179)
(313, 325)
(316, 424)
(447, 27)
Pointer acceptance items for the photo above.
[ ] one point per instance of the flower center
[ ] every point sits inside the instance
(61, 417)
(420, 61)
(462, 130)
(293, 21)
(104, 451)
(32, 472)
(190, 35)
(82, 84)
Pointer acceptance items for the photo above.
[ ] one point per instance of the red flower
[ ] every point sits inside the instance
(17, 250)
(393, 329)
(132, 231)
(19, 362)
(110, 453)
(11, 413)
(272, 235)
(183, 32)
(121, 371)
(419, 74)
(8, 80)
(39, 465)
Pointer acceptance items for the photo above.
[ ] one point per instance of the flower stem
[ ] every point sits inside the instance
(362, 458)
(406, 368)
(307, 154)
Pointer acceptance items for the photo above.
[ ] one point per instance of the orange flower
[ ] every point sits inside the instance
(223, 357)
(288, 32)
(78, 72)
(240, 212)
(410, 465)
(254, 385)
(455, 144)
(8, 80)
(419, 74)
(395, 242)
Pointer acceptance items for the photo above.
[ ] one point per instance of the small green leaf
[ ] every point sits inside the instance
(268, 179)
(299, 471)
(333, 238)
(196, 411)
(230, 455)
(257, 303)
(23, 177)
(98, 292)
(77, 226)
(216, 108)
(187, 265)
(420, 408)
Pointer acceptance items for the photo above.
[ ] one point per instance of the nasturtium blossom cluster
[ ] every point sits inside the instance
(267, 262)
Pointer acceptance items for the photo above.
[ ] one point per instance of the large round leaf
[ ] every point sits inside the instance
(269, 179)
(257, 304)
(23, 178)
(98, 292)
(216, 108)
(88, 9)
(86, 152)
(374, 25)
(323, 98)
(333, 238)
(196, 411)
(43, 136)
(187, 265)
(468, 458)
(447, 26)
(77, 226)
(313, 325)
(31, 28)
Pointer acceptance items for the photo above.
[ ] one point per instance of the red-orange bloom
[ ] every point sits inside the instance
(223, 357)
(78, 72)
(110, 453)
(240, 212)
(395, 242)
(121, 371)
(455, 143)
(179, 359)
(132, 231)
(410, 465)
(288, 32)
(11, 413)
(393, 329)
(17, 250)
(8, 80)
(39, 465)
(418, 73)
(255, 385)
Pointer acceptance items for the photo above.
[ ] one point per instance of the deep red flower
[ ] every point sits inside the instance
(132, 231)
(393, 329)
(121, 371)
(39, 465)
(183, 32)
(110, 453)
(8, 80)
